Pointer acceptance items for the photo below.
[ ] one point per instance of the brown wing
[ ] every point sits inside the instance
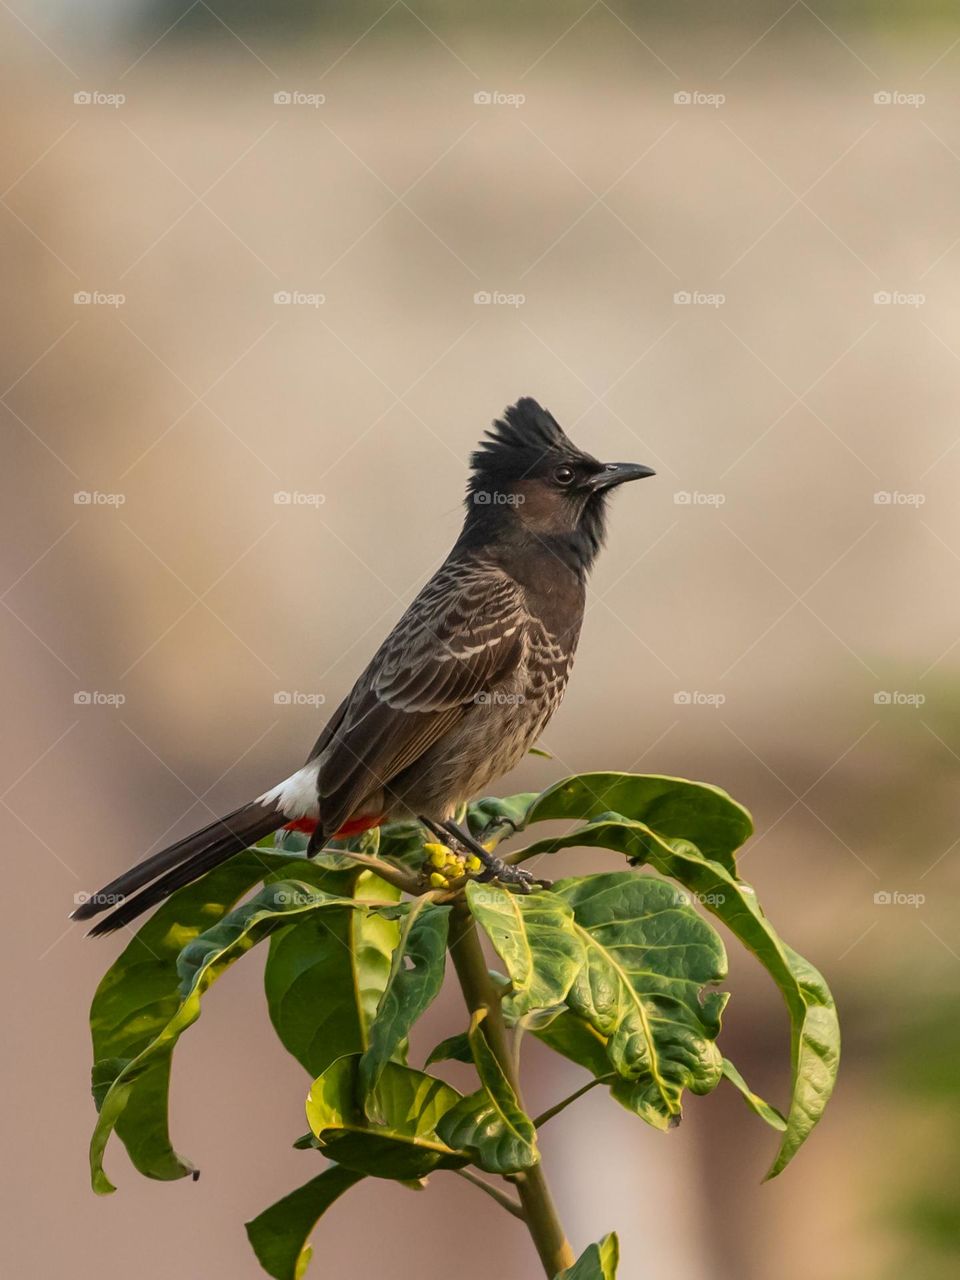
(462, 635)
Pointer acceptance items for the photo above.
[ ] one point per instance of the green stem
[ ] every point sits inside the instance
(539, 1211)
(565, 1102)
(501, 1197)
(402, 880)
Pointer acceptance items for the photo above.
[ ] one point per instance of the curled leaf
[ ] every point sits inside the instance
(416, 976)
(490, 1123)
(143, 1078)
(534, 936)
(597, 1262)
(649, 959)
(407, 1144)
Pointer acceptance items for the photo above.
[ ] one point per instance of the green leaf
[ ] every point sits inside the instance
(402, 842)
(535, 938)
(416, 976)
(279, 1234)
(649, 958)
(407, 1144)
(672, 807)
(495, 817)
(138, 996)
(325, 974)
(454, 1048)
(753, 1100)
(815, 1030)
(815, 1035)
(144, 1076)
(597, 1262)
(490, 1123)
(577, 1040)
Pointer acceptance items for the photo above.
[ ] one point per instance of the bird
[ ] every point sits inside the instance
(459, 690)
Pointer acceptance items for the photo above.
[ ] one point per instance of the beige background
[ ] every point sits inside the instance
(794, 594)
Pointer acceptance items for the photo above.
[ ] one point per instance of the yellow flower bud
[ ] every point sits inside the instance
(437, 880)
(436, 853)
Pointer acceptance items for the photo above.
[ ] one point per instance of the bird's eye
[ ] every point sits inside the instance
(564, 475)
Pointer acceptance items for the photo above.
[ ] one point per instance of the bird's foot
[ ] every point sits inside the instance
(522, 881)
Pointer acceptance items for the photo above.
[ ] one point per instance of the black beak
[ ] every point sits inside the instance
(615, 473)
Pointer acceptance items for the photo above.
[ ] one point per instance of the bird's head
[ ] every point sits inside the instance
(529, 480)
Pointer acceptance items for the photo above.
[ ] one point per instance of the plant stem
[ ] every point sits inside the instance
(402, 880)
(501, 1197)
(565, 1102)
(479, 992)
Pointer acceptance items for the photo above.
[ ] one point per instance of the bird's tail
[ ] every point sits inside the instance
(156, 877)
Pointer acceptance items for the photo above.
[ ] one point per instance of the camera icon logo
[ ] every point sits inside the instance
(483, 98)
(683, 98)
(283, 98)
(883, 98)
(282, 698)
(882, 698)
(83, 98)
(483, 298)
(682, 298)
(682, 698)
(883, 898)
(82, 698)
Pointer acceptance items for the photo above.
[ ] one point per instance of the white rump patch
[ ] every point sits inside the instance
(296, 796)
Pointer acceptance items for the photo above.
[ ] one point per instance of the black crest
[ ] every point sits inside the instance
(520, 444)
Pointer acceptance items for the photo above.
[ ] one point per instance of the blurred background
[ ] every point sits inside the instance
(268, 272)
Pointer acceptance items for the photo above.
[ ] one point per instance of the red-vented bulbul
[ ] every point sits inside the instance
(462, 686)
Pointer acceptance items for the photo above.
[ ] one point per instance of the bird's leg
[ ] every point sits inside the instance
(435, 829)
(496, 868)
